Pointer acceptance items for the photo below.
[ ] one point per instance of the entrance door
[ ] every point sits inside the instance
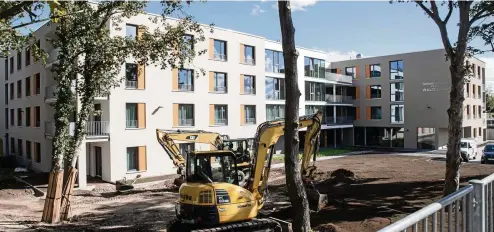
(97, 155)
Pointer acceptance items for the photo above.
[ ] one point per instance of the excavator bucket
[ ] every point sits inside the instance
(317, 200)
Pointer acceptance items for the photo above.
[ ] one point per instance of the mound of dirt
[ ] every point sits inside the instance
(343, 176)
(330, 227)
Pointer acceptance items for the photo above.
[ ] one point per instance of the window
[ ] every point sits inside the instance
(397, 92)
(314, 91)
(375, 91)
(479, 92)
(275, 88)
(132, 158)
(6, 69)
(131, 115)
(12, 117)
(473, 70)
(480, 131)
(220, 84)
(11, 65)
(11, 91)
(274, 112)
(473, 91)
(397, 113)
(220, 50)
(480, 111)
(19, 88)
(249, 54)
(314, 67)
(249, 84)
(27, 58)
(27, 84)
(468, 111)
(131, 76)
(351, 71)
(376, 113)
(6, 94)
(28, 150)
(468, 89)
(189, 42)
(474, 132)
(131, 31)
(478, 71)
(375, 70)
(28, 116)
(274, 61)
(186, 79)
(396, 70)
(12, 145)
(37, 81)
(6, 119)
(474, 109)
(19, 60)
(19, 117)
(220, 115)
(19, 147)
(37, 151)
(37, 114)
(186, 115)
(250, 114)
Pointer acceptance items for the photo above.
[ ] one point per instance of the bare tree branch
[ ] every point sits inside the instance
(15, 10)
(450, 12)
(434, 14)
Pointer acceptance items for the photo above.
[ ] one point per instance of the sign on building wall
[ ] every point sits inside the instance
(435, 86)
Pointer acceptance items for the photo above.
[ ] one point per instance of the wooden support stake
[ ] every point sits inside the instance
(67, 194)
(51, 210)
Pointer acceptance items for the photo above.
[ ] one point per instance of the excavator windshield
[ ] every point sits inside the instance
(212, 167)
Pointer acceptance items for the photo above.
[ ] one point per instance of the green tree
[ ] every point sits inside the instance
(93, 59)
(472, 16)
(489, 100)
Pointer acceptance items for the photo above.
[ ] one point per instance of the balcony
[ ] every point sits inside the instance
(340, 120)
(338, 99)
(52, 58)
(94, 129)
(338, 77)
(51, 92)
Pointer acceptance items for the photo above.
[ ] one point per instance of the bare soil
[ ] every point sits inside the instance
(366, 192)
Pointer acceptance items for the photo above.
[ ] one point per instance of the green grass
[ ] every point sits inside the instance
(322, 153)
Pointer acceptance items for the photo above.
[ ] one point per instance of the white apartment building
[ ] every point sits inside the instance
(243, 87)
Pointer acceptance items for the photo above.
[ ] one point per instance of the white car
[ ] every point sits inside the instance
(468, 149)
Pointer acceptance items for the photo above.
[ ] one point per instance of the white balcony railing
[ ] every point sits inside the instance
(50, 128)
(186, 122)
(51, 91)
(221, 57)
(250, 121)
(338, 77)
(185, 87)
(220, 121)
(130, 84)
(52, 56)
(220, 89)
(97, 128)
(250, 61)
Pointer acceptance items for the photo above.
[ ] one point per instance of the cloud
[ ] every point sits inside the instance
(297, 5)
(334, 56)
(256, 10)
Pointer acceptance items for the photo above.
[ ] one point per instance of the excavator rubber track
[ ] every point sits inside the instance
(256, 224)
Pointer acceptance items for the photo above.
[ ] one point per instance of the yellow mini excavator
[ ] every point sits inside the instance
(211, 198)
(167, 138)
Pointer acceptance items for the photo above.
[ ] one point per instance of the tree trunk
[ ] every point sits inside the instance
(67, 193)
(455, 113)
(51, 210)
(296, 190)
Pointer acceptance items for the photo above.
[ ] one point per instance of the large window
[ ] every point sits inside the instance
(249, 84)
(397, 92)
(397, 113)
(479, 92)
(19, 60)
(220, 50)
(19, 117)
(186, 79)
(19, 88)
(28, 86)
(274, 62)
(27, 59)
(37, 115)
(131, 115)
(28, 116)
(396, 70)
(220, 114)
(132, 158)
(375, 70)
(314, 67)
(274, 112)
(131, 76)
(249, 54)
(11, 65)
(314, 91)
(131, 31)
(351, 71)
(37, 80)
(220, 82)
(376, 113)
(275, 88)
(189, 42)
(186, 115)
(375, 91)
(11, 91)
(12, 121)
(28, 150)
(250, 114)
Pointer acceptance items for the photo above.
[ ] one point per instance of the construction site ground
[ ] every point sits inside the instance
(375, 190)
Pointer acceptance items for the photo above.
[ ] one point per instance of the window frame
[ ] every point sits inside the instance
(37, 115)
(188, 40)
(393, 116)
(29, 154)
(131, 81)
(127, 26)
(185, 121)
(11, 66)
(19, 60)
(392, 94)
(391, 71)
(373, 110)
(310, 69)
(37, 88)
(246, 118)
(19, 147)
(223, 53)
(19, 117)
(136, 159)
(188, 86)
(27, 116)
(12, 117)
(279, 89)
(27, 57)
(277, 111)
(379, 87)
(250, 89)
(27, 86)
(12, 89)
(131, 124)
(277, 61)
(372, 70)
(353, 73)
(248, 61)
(19, 89)
(216, 87)
(312, 93)
(224, 115)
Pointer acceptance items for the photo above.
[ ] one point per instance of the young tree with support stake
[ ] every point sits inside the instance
(93, 59)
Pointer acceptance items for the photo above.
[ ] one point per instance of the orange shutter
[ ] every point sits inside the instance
(242, 54)
(175, 114)
(338, 70)
(357, 112)
(368, 113)
(141, 76)
(140, 30)
(242, 115)
(241, 83)
(368, 92)
(357, 92)
(211, 114)
(211, 82)
(357, 73)
(367, 71)
(141, 115)
(211, 48)
(175, 79)
(142, 159)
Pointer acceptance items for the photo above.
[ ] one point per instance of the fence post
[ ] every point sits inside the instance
(478, 212)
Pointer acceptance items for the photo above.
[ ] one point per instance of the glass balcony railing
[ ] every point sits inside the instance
(338, 98)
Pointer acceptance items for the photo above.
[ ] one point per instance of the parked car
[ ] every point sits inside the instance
(487, 154)
(468, 149)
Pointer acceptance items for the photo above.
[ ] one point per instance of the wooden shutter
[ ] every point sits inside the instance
(141, 76)
(368, 113)
(241, 83)
(175, 79)
(141, 115)
(211, 114)
(368, 92)
(338, 70)
(367, 71)
(140, 30)
(211, 82)
(242, 115)
(357, 92)
(142, 163)
(242, 54)
(357, 72)
(357, 112)
(211, 48)
(175, 114)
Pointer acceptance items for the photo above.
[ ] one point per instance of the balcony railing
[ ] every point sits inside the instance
(250, 61)
(220, 89)
(186, 122)
(250, 121)
(51, 91)
(218, 56)
(130, 84)
(338, 77)
(131, 124)
(249, 90)
(185, 87)
(220, 121)
(50, 128)
(52, 56)
(339, 120)
(338, 98)
(97, 128)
